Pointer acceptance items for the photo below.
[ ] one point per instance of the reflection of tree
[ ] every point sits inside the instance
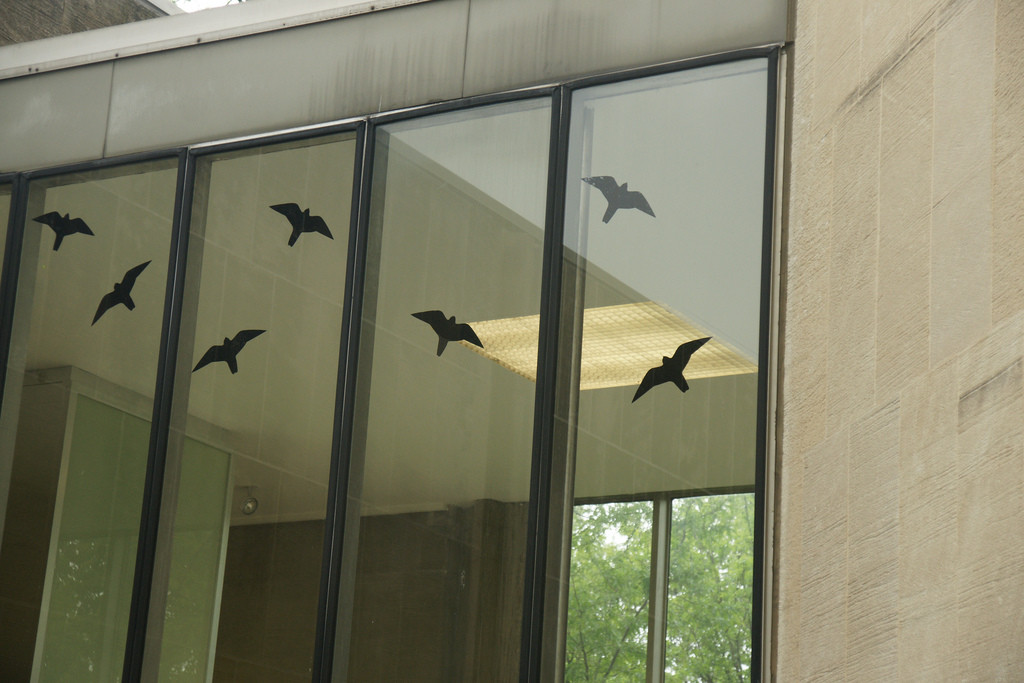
(710, 593)
(710, 589)
(608, 592)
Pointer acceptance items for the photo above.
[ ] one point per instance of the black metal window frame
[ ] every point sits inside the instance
(364, 128)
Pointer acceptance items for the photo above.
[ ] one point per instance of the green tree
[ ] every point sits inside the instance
(710, 589)
(709, 594)
(609, 584)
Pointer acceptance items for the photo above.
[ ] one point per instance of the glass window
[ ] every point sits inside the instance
(711, 564)
(74, 431)
(662, 289)
(5, 208)
(253, 420)
(609, 591)
(441, 459)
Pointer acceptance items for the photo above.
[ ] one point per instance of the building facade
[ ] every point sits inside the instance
(367, 342)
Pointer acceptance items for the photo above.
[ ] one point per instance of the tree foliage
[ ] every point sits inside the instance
(709, 593)
(710, 589)
(608, 592)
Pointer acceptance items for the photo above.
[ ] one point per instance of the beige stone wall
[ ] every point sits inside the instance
(900, 521)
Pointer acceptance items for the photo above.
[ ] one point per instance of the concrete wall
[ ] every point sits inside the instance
(35, 19)
(900, 524)
(120, 99)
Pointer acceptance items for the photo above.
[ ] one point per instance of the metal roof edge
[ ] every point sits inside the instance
(176, 31)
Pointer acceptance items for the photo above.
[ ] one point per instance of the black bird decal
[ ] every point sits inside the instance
(671, 369)
(447, 329)
(63, 226)
(122, 293)
(618, 196)
(301, 221)
(228, 351)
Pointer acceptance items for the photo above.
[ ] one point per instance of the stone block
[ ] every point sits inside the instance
(1009, 79)
(1008, 236)
(904, 220)
(927, 522)
(990, 584)
(884, 30)
(984, 361)
(964, 82)
(928, 408)
(961, 266)
(835, 84)
(824, 562)
(853, 263)
(873, 527)
(928, 638)
(806, 299)
(788, 550)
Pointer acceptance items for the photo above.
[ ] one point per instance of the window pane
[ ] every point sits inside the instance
(5, 208)
(710, 590)
(75, 423)
(249, 460)
(662, 284)
(442, 457)
(609, 592)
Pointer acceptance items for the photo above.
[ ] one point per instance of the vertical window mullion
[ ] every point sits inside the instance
(136, 659)
(337, 495)
(541, 483)
(11, 259)
(657, 624)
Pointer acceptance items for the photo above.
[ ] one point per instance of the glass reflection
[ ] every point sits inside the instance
(5, 208)
(609, 592)
(74, 432)
(662, 287)
(711, 564)
(442, 453)
(255, 393)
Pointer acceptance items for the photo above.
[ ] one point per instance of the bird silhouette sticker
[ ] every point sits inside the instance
(122, 293)
(447, 329)
(301, 221)
(63, 226)
(618, 196)
(671, 369)
(228, 351)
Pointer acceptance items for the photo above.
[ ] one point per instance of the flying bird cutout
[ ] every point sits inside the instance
(228, 351)
(618, 196)
(671, 369)
(122, 293)
(63, 226)
(301, 221)
(447, 329)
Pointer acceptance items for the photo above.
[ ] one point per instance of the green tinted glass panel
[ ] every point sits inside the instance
(194, 584)
(258, 376)
(96, 524)
(87, 324)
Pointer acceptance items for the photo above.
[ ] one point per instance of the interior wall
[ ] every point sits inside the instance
(900, 518)
(26, 538)
(439, 595)
(271, 586)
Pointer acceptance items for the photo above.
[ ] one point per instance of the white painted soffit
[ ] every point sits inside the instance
(179, 30)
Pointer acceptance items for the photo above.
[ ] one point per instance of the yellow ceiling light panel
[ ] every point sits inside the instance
(620, 343)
